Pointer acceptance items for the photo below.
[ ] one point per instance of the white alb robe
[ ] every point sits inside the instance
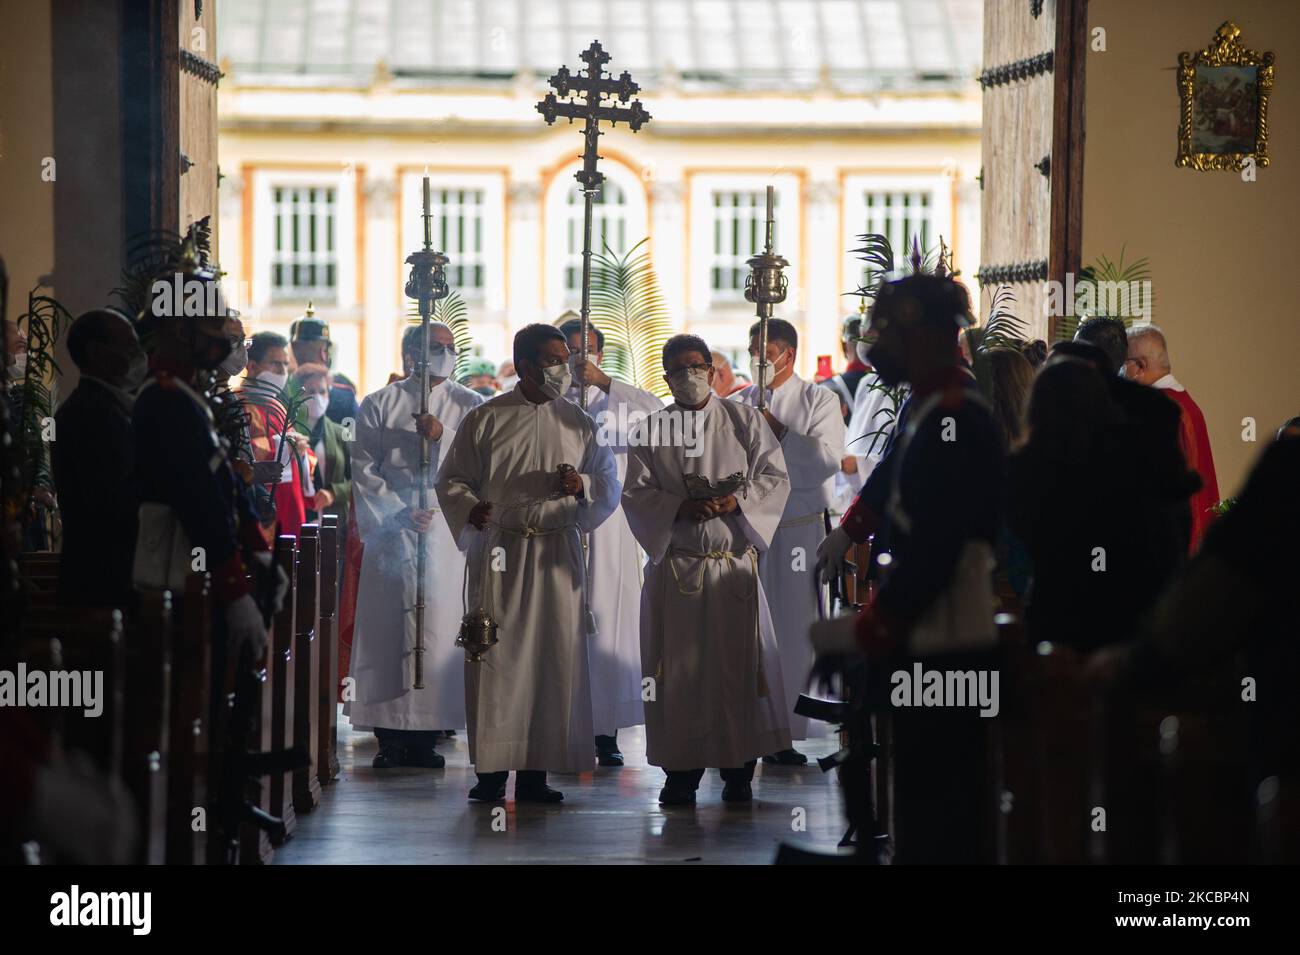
(614, 562)
(869, 404)
(813, 448)
(706, 634)
(385, 481)
(528, 701)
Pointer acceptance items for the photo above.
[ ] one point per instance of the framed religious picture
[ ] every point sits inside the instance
(1224, 92)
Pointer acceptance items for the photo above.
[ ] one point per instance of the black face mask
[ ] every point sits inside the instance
(891, 371)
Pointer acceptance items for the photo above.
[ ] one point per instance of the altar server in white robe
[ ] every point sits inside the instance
(706, 634)
(525, 477)
(613, 557)
(807, 421)
(385, 484)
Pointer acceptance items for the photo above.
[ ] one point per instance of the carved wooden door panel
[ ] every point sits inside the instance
(197, 94)
(1032, 153)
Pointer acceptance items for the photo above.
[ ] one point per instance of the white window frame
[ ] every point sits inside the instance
(856, 186)
(343, 183)
(492, 297)
(789, 220)
(559, 214)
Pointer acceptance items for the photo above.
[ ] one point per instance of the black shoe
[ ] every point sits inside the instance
(537, 793)
(488, 791)
(737, 792)
(390, 756)
(424, 757)
(787, 757)
(607, 753)
(673, 796)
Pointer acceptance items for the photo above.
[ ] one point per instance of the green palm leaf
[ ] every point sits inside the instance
(1107, 288)
(628, 306)
(1003, 330)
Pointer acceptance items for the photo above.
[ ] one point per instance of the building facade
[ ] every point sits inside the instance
(864, 115)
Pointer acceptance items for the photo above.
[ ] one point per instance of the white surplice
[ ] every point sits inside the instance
(813, 448)
(706, 634)
(614, 562)
(385, 481)
(528, 701)
(869, 403)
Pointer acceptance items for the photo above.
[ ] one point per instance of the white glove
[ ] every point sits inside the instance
(831, 553)
(244, 621)
(263, 557)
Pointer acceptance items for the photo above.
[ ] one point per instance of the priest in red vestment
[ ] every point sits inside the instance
(1148, 364)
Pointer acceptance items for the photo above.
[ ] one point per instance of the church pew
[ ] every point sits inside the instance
(327, 720)
(280, 663)
(1059, 796)
(187, 775)
(148, 721)
(83, 639)
(39, 572)
(306, 691)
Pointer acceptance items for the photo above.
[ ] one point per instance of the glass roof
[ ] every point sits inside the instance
(856, 45)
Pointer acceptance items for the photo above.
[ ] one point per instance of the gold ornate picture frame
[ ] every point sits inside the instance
(1224, 92)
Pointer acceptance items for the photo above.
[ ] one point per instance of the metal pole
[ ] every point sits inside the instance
(588, 196)
(426, 310)
(765, 310)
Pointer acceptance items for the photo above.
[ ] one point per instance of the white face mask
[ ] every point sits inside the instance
(691, 388)
(441, 366)
(556, 380)
(773, 369)
(273, 380)
(136, 372)
(862, 349)
(508, 382)
(316, 406)
(19, 368)
(234, 362)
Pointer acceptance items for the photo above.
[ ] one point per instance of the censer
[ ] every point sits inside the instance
(478, 634)
(478, 628)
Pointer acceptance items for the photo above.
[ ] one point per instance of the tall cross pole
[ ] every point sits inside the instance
(588, 104)
(427, 284)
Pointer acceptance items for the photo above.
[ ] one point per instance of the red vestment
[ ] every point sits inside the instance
(1194, 439)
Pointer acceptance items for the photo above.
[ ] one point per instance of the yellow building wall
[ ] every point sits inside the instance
(1222, 250)
(661, 162)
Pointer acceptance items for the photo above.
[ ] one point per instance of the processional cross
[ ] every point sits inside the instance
(589, 103)
(427, 284)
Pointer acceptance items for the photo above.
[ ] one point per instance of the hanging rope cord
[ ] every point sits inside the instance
(731, 558)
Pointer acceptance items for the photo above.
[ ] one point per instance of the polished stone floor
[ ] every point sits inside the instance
(413, 816)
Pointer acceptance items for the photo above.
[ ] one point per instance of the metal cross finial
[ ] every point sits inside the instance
(590, 90)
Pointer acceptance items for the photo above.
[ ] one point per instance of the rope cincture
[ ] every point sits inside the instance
(731, 557)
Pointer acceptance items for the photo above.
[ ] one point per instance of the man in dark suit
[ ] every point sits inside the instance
(93, 461)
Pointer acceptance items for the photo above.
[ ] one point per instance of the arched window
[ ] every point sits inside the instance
(618, 220)
(608, 229)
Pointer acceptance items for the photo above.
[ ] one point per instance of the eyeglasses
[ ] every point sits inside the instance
(436, 349)
(682, 371)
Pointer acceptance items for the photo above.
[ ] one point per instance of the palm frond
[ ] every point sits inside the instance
(44, 322)
(878, 254)
(1114, 289)
(1002, 330)
(628, 306)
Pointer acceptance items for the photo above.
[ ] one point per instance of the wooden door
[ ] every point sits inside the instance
(1033, 150)
(197, 95)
